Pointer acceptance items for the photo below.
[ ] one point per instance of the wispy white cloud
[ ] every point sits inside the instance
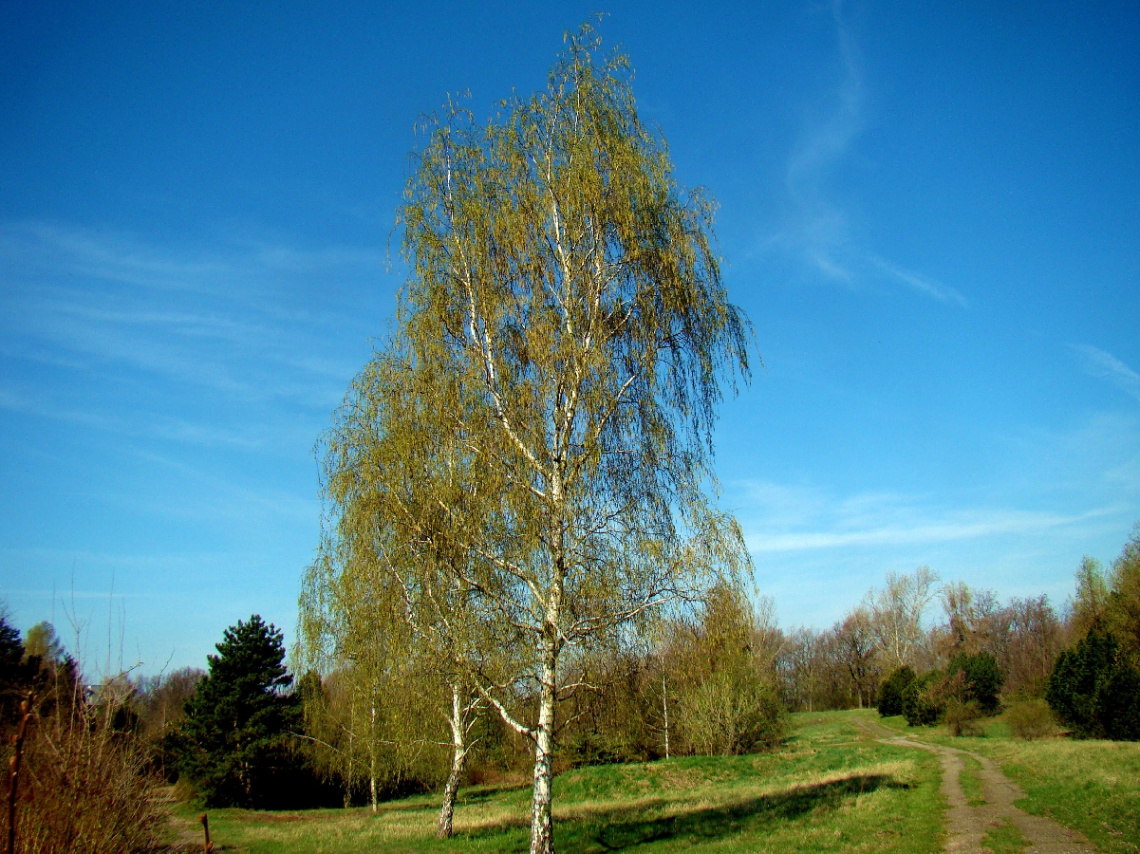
(922, 284)
(780, 518)
(219, 496)
(236, 266)
(820, 231)
(968, 527)
(113, 333)
(1104, 365)
(14, 400)
(149, 425)
(829, 140)
(41, 248)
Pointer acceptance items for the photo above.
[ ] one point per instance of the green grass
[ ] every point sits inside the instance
(970, 782)
(1088, 785)
(1005, 839)
(831, 788)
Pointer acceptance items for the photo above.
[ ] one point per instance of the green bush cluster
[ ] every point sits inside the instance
(726, 716)
(966, 691)
(1095, 690)
(962, 717)
(980, 682)
(924, 700)
(892, 690)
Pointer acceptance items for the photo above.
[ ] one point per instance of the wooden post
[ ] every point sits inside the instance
(206, 827)
(14, 764)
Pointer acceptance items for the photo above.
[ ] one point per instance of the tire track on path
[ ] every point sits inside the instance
(967, 825)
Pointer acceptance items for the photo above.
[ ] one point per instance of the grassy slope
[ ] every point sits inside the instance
(1091, 786)
(830, 789)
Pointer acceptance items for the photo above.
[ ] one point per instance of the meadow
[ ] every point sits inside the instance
(831, 787)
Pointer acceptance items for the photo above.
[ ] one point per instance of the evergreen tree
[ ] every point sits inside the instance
(13, 675)
(232, 742)
(1118, 703)
(981, 677)
(892, 691)
(1095, 689)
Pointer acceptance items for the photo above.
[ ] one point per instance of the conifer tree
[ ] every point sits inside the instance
(14, 677)
(233, 738)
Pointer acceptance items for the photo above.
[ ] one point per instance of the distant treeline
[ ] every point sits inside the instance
(716, 677)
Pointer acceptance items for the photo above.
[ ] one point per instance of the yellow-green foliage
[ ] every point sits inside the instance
(1030, 719)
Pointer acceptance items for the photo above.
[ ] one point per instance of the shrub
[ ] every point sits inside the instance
(1031, 719)
(83, 786)
(892, 690)
(962, 717)
(726, 716)
(924, 699)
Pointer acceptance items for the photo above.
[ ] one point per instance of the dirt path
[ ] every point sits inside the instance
(185, 837)
(967, 825)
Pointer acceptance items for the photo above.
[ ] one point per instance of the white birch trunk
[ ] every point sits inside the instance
(542, 821)
(372, 759)
(458, 760)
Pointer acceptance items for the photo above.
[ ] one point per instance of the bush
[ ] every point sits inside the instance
(892, 690)
(1031, 719)
(924, 699)
(962, 717)
(724, 716)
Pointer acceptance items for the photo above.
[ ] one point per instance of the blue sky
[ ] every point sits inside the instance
(929, 212)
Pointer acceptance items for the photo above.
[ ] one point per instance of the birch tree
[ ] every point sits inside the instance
(560, 350)
(359, 619)
(379, 708)
(896, 614)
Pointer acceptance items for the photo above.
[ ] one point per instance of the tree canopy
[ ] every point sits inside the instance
(232, 739)
(529, 457)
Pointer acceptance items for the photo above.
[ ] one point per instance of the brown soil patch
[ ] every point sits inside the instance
(966, 826)
(184, 836)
